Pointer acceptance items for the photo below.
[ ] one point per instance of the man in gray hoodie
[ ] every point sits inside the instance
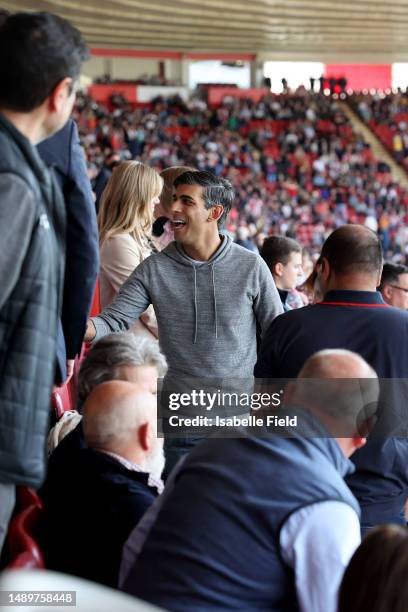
(210, 295)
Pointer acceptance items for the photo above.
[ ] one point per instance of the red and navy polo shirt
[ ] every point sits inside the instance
(359, 321)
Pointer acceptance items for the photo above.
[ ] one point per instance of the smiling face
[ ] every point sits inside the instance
(191, 220)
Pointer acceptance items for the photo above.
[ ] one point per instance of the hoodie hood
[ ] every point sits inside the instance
(176, 252)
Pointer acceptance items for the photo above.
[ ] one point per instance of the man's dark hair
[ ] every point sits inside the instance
(278, 249)
(391, 272)
(353, 249)
(216, 190)
(37, 51)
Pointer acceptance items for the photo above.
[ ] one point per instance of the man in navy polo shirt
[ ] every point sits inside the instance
(353, 316)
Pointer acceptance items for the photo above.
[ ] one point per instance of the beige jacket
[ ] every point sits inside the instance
(119, 256)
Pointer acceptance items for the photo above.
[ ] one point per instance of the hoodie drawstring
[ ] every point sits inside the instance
(195, 306)
(215, 301)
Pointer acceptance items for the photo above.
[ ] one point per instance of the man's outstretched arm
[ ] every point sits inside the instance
(131, 301)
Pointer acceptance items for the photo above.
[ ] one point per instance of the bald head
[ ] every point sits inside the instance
(336, 363)
(339, 385)
(353, 249)
(113, 414)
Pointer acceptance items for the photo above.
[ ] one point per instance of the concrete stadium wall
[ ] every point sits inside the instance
(120, 67)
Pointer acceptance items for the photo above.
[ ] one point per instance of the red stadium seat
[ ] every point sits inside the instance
(183, 132)
(96, 304)
(398, 117)
(325, 126)
(63, 398)
(23, 549)
(57, 403)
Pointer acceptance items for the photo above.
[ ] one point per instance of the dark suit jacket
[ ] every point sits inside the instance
(64, 153)
(92, 503)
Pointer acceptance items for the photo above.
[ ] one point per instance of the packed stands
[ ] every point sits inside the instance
(137, 493)
(387, 116)
(296, 164)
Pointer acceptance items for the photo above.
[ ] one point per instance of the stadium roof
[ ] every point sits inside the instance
(345, 30)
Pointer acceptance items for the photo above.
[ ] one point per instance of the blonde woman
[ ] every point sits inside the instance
(125, 223)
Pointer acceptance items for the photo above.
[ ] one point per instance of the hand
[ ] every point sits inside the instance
(70, 369)
(90, 331)
(69, 364)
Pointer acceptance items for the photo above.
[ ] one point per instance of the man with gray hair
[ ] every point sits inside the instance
(121, 357)
(115, 357)
(92, 505)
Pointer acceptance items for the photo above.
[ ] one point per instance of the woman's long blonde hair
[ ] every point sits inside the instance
(126, 202)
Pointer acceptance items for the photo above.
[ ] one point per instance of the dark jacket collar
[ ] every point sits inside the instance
(107, 464)
(346, 296)
(95, 464)
(27, 149)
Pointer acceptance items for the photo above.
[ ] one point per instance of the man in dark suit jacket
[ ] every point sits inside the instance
(93, 503)
(64, 153)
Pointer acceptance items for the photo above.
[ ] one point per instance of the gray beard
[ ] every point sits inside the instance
(156, 460)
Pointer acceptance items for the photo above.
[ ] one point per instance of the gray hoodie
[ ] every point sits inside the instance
(207, 312)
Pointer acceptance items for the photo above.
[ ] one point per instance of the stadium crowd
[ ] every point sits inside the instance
(310, 454)
(387, 116)
(297, 167)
